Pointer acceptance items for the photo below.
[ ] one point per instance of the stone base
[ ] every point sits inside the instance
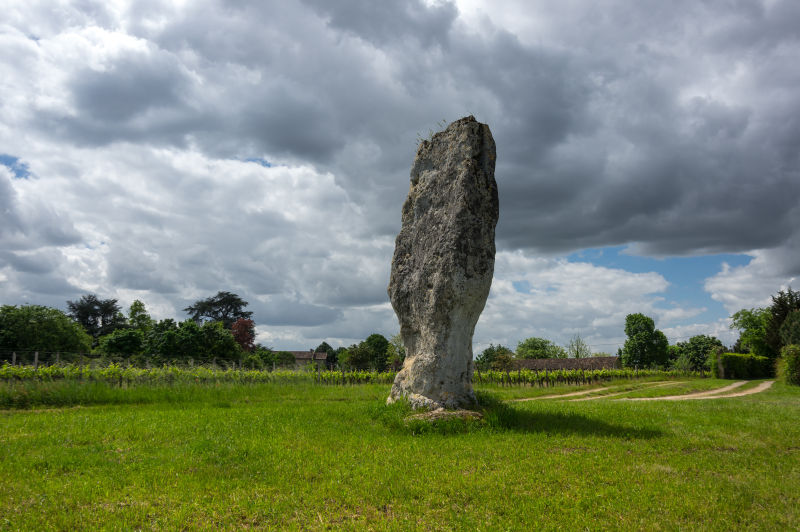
(419, 401)
(441, 413)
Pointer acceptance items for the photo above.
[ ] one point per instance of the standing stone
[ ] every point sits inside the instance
(443, 264)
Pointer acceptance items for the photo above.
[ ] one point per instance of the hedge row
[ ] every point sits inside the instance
(741, 366)
(790, 360)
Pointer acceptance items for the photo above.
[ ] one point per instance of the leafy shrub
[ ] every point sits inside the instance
(539, 348)
(682, 362)
(253, 361)
(790, 330)
(37, 328)
(284, 359)
(790, 364)
(740, 366)
(484, 361)
(122, 342)
(693, 355)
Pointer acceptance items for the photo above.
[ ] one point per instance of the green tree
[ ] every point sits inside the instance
(783, 304)
(261, 358)
(646, 346)
(162, 339)
(356, 357)
(539, 348)
(752, 326)
(487, 357)
(217, 342)
(97, 316)
(503, 362)
(396, 352)
(789, 364)
(188, 340)
(790, 329)
(338, 356)
(224, 307)
(693, 355)
(343, 358)
(330, 352)
(376, 346)
(189, 344)
(284, 359)
(38, 328)
(125, 342)
(138, 318)
(577, 348)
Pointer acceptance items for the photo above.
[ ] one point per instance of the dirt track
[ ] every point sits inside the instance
(719, 393)
(587, 392)
(650, 385)
(558, 396)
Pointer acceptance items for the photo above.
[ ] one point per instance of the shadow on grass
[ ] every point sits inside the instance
(501, 417)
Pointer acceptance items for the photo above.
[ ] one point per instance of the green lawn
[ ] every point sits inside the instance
(300, 456)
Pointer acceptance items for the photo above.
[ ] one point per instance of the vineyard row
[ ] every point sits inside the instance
(122, 375)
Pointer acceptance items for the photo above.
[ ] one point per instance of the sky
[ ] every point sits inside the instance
(648, 157)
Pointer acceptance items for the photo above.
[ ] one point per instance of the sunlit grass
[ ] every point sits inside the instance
(316, 457)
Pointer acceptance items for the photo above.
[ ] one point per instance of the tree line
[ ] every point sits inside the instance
(375, 353)
(763, 332)
(218, 330)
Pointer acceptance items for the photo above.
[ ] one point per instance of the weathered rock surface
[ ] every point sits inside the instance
(441, 413)
(443, 264)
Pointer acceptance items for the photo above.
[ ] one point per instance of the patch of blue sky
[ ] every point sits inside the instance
(259, 160)
(686, 275)
(523, 286)
(19, 168)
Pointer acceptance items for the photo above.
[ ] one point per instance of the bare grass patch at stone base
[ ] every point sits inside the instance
(312, 457)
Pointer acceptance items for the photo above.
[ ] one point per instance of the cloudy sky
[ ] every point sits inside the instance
(648, 156)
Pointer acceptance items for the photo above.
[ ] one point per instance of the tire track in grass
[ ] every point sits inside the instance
(653, 385)
(556, 396)
(756, 389)
(585, 392)
(719, 393)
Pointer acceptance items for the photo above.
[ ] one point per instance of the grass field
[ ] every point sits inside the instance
(299, 456)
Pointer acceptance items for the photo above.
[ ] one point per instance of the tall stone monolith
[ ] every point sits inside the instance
(443, 263)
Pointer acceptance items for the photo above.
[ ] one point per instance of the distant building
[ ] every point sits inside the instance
(302, 358)
(551, 364)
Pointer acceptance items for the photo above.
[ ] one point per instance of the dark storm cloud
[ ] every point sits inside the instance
(284, 310)
(41, 287)
(670, 127)
(40, 262)
(132, 85)
(383, 22)
(673, 175)
(299, 126)
(30, 225)
(597, 145)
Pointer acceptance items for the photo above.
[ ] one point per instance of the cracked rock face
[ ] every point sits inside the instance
(443, 264)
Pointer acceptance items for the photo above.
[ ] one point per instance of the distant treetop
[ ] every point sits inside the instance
(224, 307)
